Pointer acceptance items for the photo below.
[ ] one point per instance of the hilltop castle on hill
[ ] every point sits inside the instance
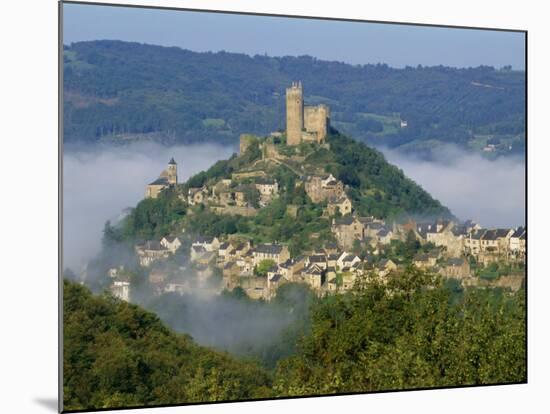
(448, 246)
(304, 123)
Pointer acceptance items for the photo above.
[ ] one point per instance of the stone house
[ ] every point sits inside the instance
(197, 195)
(274, 282)
(347, 260)
(424, 261)
(206, 258)
(268, 189)
(472, 243)
(224, 251)
(317, 259)
(347, 230)
(384, 236)
(313, 275)
(269, 251)
(372, 228)
(496, 240)
(340, 204)
(151, 251)
(246, 264)
(233, 197)
(320, 188)
(240, 250)
(121, 289)
(385, 267)
(489, 242)
(209, 243)
(171, 243)
(330, 273)
(197, 252)
(332, 259)
(292, 267)
(445, 235)
(514, 242)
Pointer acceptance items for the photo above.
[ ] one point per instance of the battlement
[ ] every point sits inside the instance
(310, 123)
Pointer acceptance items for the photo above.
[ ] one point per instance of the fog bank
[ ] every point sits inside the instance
(490, 192)
(99, 183)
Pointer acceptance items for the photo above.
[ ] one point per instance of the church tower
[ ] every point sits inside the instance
(172, 171)
(294, 113)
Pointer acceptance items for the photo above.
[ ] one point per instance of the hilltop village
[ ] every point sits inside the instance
(354, 247)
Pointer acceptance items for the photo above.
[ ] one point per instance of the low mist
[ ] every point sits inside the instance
(99, 183)
(246, 327)
(490, 192)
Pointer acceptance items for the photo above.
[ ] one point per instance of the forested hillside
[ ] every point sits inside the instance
(119, 91)
(375, 187)
(411, 332)
(115, 354)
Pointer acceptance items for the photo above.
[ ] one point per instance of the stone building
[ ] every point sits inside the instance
(268, 189)
(171, 243)
(121, 289)
(304, 124)
(167, 178)
(316, 123)
(517, 242)
(320, 188)
(151, 251)
(341, 204)
(347, 230)
(276, 252)
(197, 195)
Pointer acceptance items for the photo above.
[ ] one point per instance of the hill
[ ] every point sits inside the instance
(118, 355)
(374, 187)
(120, 91)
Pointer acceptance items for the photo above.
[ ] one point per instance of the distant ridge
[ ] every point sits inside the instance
(119, 92)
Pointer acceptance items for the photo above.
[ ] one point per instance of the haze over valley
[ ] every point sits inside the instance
(99, 183)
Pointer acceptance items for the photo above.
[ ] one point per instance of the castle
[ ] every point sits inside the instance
(167, 178)
(304, 123)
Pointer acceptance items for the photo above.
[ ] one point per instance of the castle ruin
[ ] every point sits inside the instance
(304, 123)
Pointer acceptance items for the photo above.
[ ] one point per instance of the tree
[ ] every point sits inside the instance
(407, 333)
(262, 268)
(252, 195)
(411, 245)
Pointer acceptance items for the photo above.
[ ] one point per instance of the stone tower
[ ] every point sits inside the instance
(294, 113)
(172, 172)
